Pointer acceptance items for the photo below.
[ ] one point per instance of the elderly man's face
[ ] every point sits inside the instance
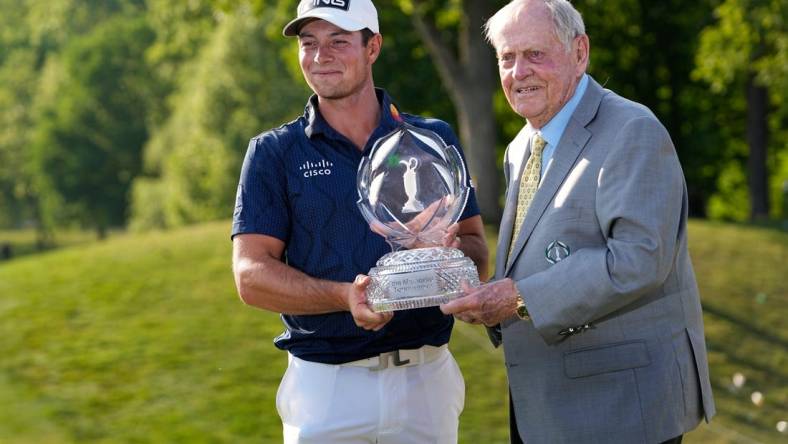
(538, 75)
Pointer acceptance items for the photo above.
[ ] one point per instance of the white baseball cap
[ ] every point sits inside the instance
(350, 15)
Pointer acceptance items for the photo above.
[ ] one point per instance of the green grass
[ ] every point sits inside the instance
(141, 339)
(742, 275)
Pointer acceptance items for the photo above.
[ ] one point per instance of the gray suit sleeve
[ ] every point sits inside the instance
(638, 205)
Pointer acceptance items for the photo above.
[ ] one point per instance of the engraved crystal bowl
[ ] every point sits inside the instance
(418, 278)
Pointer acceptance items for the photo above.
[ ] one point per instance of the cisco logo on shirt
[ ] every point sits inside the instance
(338, 4)
(312, 169)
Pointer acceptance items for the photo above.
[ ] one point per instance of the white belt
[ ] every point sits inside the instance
(400, 358)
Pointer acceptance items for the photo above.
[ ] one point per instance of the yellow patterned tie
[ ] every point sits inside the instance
(529, 183)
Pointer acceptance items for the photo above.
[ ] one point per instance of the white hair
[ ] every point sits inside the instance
(567, 21)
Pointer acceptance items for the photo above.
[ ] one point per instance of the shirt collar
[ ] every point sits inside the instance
(316, 124)
(554, 129)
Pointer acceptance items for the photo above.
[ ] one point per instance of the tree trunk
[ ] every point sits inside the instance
(44, 232)
(478, 135)
(757, 136)
(471, 82)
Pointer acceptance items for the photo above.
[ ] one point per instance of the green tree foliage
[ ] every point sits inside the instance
(743, 56)
(235, 88)
(88, 143)
(405, 67)
(18, 81)
(644, 50)
(33, 32)
(53, 23)
(85, 83)
(182, 27)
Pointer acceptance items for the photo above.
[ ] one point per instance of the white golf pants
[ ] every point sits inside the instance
(416, 399)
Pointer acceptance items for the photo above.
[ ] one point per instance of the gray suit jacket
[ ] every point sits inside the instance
(614, 195)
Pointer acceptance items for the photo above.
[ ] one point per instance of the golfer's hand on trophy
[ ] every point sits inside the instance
(363, 315)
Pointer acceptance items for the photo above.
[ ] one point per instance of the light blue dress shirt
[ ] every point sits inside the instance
(554, 129)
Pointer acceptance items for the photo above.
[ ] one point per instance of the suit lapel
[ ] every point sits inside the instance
(507, 226)
(572, 142)
(510, 206)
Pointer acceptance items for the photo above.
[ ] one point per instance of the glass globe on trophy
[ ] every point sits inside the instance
(411, 188)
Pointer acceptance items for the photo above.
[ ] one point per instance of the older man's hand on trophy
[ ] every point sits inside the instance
(487, 304)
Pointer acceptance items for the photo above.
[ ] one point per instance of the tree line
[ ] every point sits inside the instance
(137, 113)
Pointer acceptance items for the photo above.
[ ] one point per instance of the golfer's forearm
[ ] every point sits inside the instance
(272, 285)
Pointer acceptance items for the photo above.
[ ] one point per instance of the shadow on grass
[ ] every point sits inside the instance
(747, 326)
(15, 244)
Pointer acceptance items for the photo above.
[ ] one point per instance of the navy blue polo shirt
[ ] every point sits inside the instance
(298, 184)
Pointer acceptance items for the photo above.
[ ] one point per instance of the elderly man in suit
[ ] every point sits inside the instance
(594, 295)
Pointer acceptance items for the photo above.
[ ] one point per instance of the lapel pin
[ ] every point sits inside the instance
(556, 251)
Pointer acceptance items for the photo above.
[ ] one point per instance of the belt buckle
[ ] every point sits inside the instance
(383, 360)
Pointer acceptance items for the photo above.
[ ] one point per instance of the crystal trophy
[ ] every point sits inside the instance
(411, 188)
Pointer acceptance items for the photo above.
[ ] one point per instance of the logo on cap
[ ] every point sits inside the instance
(338, 4)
